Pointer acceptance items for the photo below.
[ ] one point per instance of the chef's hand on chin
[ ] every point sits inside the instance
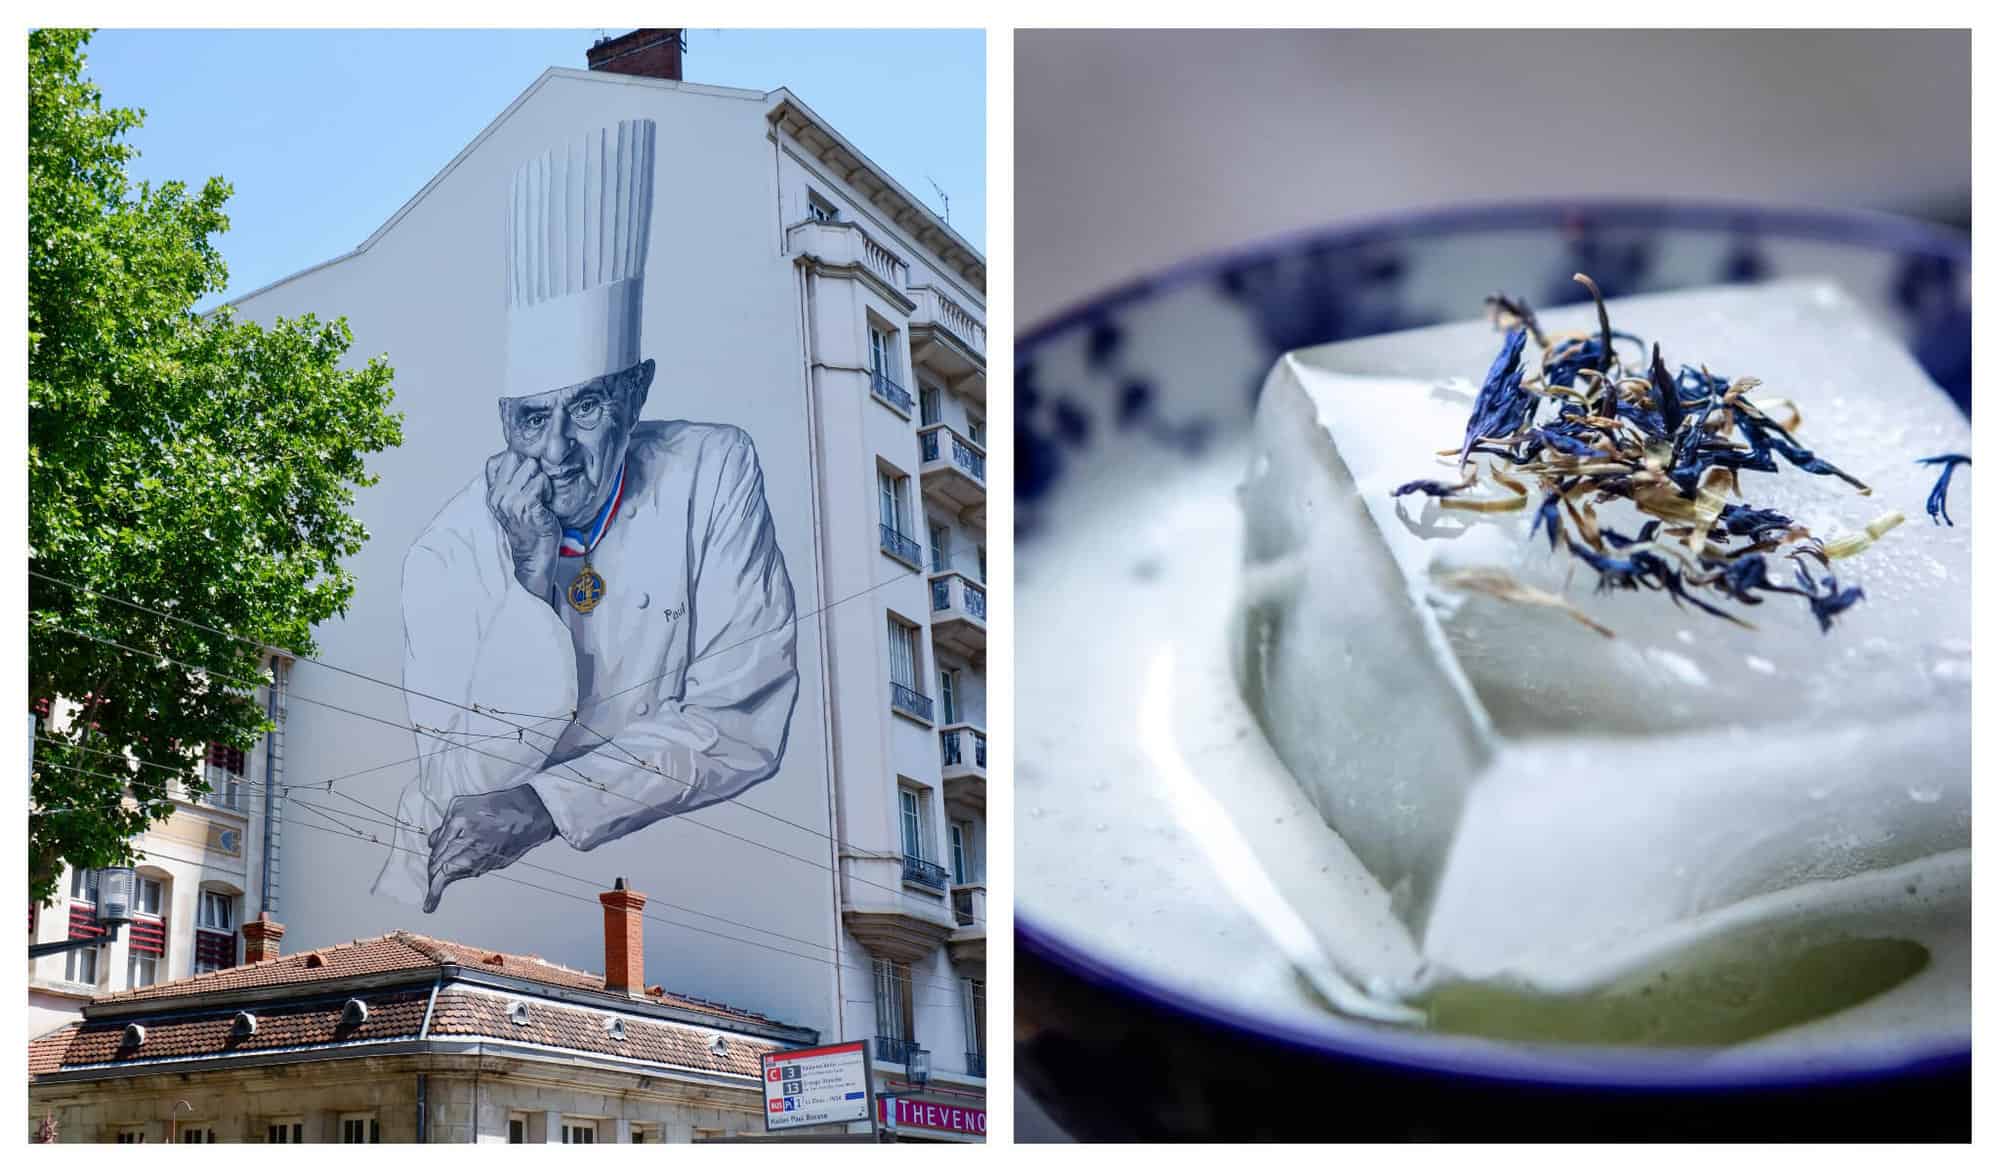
(482, 832)
(518, 493)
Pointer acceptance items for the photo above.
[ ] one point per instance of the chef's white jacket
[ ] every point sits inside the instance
(687, 664)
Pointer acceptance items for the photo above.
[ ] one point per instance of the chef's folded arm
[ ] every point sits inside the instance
(724, 730)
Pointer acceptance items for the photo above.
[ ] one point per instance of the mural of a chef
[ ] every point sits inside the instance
(613, 584)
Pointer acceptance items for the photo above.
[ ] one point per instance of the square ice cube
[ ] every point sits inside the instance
(1547, 805)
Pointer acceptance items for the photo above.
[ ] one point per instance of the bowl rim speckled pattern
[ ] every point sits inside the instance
(1336, 1039)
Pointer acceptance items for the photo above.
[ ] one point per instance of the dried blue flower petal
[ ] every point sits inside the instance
(1567, 444)
(1935, 505)
(1502, 407)
(1831, 602)
(1432, 488)
(1667, 392)
(1546, 515)
(1620, 436)
(1744, 521)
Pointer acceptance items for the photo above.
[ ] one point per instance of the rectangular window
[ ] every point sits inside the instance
(134, 1134)
(930, 405)
(360, 1129)
(146, 896)
(83, 885)
(821, 209)
(645, 1135)
(85, 965)
(948, 694)
(144, 970)
(982, 563)
(974, 996)
(975, 430)
(962, 869)
(912, 805)
(215, 935)
(893, 1011)
(197, 1133)
(893, 495)
(882, 352)
(940, 548)
(286, 1131)
(517, 1129)
(579, 1131)
(218, 912)
(903, 655)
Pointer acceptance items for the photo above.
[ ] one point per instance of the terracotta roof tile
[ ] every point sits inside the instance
(465, 1011)
(359, 958)
(390, 1016)
(46, 1052)
(406, 952)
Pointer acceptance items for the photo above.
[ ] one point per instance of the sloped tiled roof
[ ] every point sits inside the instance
(390, 1017)
(359, 958)
(472, 1012)
(394, 1014)
(405, 952)
(46, 1052)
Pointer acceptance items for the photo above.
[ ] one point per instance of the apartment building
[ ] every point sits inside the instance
(203, 877)
(757, 686)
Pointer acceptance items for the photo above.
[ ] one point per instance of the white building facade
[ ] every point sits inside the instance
(827, 329)
(202, 874)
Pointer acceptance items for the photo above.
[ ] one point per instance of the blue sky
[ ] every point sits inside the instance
(325, 133)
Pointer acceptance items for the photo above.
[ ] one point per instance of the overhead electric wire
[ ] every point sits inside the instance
(364, 836)
(796, 619)
(250, 803)
(914, 980)
(499, 714)
(361, 837)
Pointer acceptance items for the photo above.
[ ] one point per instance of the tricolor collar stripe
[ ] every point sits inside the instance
(574, 543)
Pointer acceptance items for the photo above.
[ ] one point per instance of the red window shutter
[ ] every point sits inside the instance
(215, 949)
(149, 937)
(228, 759)
(83, 923)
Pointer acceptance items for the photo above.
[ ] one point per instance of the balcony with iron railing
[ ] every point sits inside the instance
(946, 338)
(962, 750)
(958, 613)
(843, 248)
(896, 1050)
(921, 872)
(891, 393)
(909, 702)
(901, 546)
(968, 905)
(962, 747)
(952, 468)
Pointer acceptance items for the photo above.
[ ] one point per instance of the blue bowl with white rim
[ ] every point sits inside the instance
(1116, 1043)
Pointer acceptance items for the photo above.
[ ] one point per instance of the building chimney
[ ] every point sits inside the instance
(624, 940)
(260, 938)
(645, 52)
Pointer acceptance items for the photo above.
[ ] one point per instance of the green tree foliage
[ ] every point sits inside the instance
(197, 464)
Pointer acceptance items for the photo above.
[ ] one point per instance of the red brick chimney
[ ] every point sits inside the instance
(260, 938)
(624, 940)
(645, 52)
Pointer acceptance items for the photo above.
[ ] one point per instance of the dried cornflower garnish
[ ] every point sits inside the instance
(1587, 429)
(1935, 506)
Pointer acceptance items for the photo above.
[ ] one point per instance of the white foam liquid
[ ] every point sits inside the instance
(1160, 829)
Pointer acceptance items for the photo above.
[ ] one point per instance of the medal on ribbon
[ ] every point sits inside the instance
(588, 588)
